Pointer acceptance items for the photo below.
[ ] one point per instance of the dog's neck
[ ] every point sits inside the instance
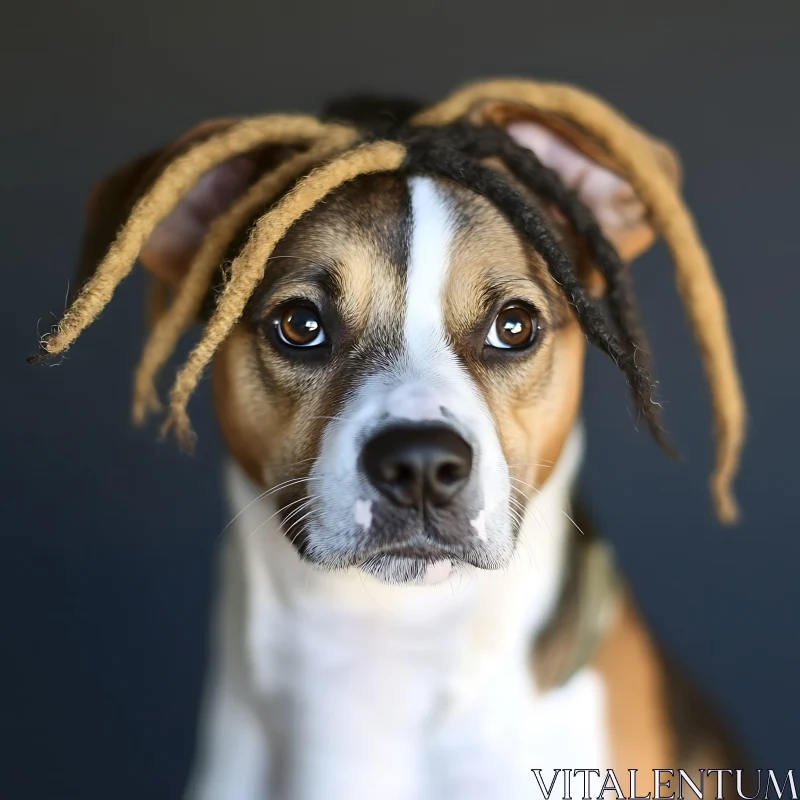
(339, 661)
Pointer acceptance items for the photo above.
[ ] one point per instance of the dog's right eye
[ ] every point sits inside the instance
(300, 326)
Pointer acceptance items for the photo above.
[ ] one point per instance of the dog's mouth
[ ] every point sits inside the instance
(420, 552)
(421, 562)
(411, 564)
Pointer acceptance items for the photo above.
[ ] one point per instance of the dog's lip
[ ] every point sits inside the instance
(427, 552)
(418, 552)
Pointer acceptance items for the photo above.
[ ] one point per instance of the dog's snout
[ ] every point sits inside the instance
(416, 466)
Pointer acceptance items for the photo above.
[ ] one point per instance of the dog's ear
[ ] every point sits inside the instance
(585, 167)
(168, 251)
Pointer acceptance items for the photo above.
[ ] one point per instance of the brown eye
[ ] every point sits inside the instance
(514, 328)
(300, 326)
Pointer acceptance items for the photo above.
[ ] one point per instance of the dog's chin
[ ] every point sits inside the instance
(410, 568)
(407, 558)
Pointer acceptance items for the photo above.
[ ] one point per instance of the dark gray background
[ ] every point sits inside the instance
(107, 535)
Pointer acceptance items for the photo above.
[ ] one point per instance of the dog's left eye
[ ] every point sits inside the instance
(514, 328)
(300, 326)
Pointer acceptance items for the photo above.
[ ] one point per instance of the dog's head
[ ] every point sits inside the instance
(413, 366)
(408, 370)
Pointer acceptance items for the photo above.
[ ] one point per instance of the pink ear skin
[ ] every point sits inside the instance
(170, 248)
(620, 213)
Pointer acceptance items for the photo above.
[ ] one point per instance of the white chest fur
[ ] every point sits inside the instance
(333, 685)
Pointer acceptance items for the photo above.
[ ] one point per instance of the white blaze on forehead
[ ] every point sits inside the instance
(413, 401)
(429, 258)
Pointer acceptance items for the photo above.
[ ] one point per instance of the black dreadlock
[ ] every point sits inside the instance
(452, 152)
(526, 167)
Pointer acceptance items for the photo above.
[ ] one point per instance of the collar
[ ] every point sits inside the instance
(590, 601)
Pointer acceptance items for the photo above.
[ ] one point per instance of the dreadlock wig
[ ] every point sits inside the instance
(464, 139)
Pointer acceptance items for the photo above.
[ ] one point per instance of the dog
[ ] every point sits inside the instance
(411, 604)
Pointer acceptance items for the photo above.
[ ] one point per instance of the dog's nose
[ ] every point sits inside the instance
(415, 465)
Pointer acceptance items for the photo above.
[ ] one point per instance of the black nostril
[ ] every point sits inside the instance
(398, 472)
(449, 473)
(418, 465)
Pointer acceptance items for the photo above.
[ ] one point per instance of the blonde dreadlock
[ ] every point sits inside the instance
(173, 323)
(630, 150)
(173, 183)
(248, 268)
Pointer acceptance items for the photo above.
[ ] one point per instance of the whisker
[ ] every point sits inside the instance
(299, 509)
(303, 500)
(529, 552)
(516, 505)
(290, 482)
(297, 522)
(538, 491)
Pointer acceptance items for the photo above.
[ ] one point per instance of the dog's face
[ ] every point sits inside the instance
(407, 373)
(405, 360)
